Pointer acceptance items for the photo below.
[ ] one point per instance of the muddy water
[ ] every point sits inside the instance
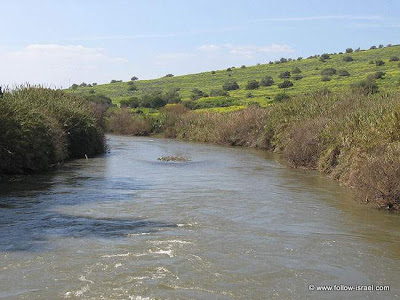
(228, 224)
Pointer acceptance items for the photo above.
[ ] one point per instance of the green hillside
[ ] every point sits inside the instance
(310, 79)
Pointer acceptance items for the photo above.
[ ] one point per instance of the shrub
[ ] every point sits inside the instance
(74, 86)
(132, 88)
(281, 97)
(252, 85)
(92, 91)
(217, 92)
(132, 102)
(122, 121)
(197, 94)
(379, 63)
(296, 70)
(365, 87)
(229, 70)
(283, 60)
(380, 46)
(285, 74)
(243, 67)
(153, 99)
(303, 147)
(213, 72)
(372, 47)
(343, 73)
(40, 127)
(328, 72)
(285, 84)
(325, 56)
(267, 81)
(347, 58)
(83, 84)
(169, 75)
(326, 78)
(230, 86)
(394, 58)
(172, 96)
(349, 50)
(376, 75)
(134, 78)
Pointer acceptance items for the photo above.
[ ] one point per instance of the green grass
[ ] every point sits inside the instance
(311, 81)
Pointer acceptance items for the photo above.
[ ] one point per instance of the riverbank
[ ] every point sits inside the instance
(351, 137)
(41, 127)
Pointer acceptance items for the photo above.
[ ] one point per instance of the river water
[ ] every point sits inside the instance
(231, 223)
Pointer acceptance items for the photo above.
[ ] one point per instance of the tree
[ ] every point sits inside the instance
(267, 81)
(172, 96)
(285, 84)
(325, 56)
(283, 60)
(197, 94)
(243, 67)
(372, 47)
(252, 85)
(285, 74)
(1, 92)
(169, 75)
(230, 85)
(328, 72)
(83, 84)
(349, 50)
(296, 70)
(134, 78)
(213, 72)
(347, 58)
(74, 86)
(132, 102)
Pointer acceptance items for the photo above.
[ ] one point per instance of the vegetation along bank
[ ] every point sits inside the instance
(41, 127)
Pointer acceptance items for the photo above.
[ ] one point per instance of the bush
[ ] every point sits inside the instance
(325, 56)
(74, 86)
(115, 81)
(229, 70)
(230, 86)
(169, 75)
(132, 88)
(134, 78)
(372, 47)
(285, 74)
(217, 93)
(296, 70)
(213, 72)
(197, 94)
(83, 84)
(41, 127)
(243, 67)
(285, 84)
(379, 63)
(283, 60)
(122, 121)
(343, 73)
(281, 97)
(328, 72)
(394, 58)
(267, 81)
(349, 50)
(347, 58)
(326, 78)
(365, 87)
(252, 85)
(132, 102)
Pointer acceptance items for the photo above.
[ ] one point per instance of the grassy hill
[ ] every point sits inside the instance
(362, 65)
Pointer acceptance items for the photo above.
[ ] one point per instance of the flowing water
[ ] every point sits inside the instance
(231, 223)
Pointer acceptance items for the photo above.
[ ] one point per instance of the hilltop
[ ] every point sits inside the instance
(306, 74)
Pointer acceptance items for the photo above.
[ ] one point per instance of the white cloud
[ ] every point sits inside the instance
(209, 48)
(315, 18)
(56, 65)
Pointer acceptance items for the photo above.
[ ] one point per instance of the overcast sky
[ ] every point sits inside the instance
(58, 43)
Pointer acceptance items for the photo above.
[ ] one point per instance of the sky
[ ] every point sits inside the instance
(57, 43)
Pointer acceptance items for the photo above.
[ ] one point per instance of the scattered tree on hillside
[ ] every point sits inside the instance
(328, 72)
(197, 94)
(285, 74)
(74, 86)
(285, 84)
(133, 78)
(169, 75)
(252, 85)
(230, 85)
(267, 81)
(349, 50)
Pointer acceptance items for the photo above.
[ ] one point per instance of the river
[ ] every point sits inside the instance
(231, 223)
